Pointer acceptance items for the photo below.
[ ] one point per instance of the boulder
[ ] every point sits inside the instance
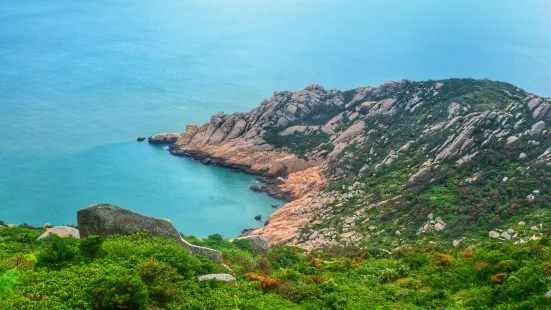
(164, 138)
(258, 189)
(512, 139)
(493, 234)
(224, 277)
(108, 219)
(61, 231)
(548, 294)
(537, 128)
(505, 235)
(258, 243)
(457, 243)
(140, 139)
(47, 225)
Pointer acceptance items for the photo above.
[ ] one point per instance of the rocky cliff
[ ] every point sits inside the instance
(373, 163)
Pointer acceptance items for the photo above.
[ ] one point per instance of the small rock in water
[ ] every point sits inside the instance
(258, 218)
(140, 139)
(257, 189)
(275, 206)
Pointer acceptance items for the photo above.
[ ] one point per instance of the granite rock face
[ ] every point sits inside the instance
(108, 219)
(258, 243)
(224, 277)
(364, 130)
(61, 231)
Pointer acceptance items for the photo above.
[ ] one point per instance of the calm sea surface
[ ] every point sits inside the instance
(80, 80)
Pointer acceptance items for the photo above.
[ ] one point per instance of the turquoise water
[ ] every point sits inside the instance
(79, 81)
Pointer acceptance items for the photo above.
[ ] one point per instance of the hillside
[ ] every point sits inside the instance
(146, 272)
(405, 162)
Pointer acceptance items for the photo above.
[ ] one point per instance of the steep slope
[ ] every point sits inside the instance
(394, 164)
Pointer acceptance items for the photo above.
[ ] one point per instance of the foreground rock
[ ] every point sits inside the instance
(108, 219)
(163, 138)
(258, 243)
(224, 277)
(61, 231)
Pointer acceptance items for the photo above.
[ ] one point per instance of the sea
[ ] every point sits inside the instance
(81, 80)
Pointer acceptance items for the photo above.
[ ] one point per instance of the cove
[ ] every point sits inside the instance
(199, 200)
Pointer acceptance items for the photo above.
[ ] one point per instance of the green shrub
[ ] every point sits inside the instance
(416, 260)
(59, 252)
(90, 247)
(160, 280)
(7, 281)
(118, 288)
(298, 292)
(286, 259)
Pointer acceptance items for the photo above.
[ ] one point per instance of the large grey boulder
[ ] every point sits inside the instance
(61, 231)
(537, 128)
(258, 243)
(224, 277)
(163, 138)
(108, 219)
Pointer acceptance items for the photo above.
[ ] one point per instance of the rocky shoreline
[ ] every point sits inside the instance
(300, 142)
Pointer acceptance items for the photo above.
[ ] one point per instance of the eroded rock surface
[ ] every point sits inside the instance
(61, 231)
(303, 141)
(108, 219)
(163, 138)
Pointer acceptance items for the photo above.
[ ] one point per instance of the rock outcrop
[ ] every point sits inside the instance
(61, 231)
(224, 277)
(258, 243)
(303, 141)
(107, 219)
(163, 138)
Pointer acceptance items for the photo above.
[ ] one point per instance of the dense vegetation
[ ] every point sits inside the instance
(144, 272)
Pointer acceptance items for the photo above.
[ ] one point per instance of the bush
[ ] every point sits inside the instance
(266, 283)
(90, 247)
(7, 281)
(286, 259)
(499, 278)
(59, 253)
(416, 260)
(118, 288)
(299, 292)
(160, 280)
(443, 260)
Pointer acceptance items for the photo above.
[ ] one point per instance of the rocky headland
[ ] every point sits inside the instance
(322, 150)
